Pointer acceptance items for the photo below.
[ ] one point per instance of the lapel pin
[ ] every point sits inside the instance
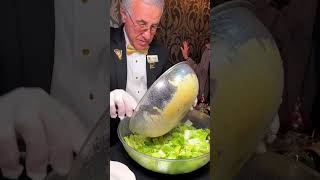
(152, 60)
(152, 65)
(118, 52)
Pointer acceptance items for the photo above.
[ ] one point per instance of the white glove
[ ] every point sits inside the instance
(121, 104)
(119, 171)
(50, 131)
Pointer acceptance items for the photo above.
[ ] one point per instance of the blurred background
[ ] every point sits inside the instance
(295, 27)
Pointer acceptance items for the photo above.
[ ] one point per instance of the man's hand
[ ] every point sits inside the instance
(121, 104)
(50, 131)
(119, 171)
(185, 50)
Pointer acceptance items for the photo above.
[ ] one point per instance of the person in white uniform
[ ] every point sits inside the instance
(53, 82)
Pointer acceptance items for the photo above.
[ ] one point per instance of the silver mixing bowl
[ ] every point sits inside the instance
(166, 102)
(167, 166)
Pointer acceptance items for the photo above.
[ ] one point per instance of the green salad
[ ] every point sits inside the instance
(182, 142)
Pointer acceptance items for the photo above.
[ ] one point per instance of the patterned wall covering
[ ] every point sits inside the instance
(182, 20)
(115, 20)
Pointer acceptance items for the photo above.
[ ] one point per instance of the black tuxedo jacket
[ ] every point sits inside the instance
(118, 68)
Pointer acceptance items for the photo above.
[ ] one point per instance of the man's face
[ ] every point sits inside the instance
(141, 22)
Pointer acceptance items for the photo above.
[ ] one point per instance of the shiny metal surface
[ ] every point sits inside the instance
(166, 102)
(167, 166)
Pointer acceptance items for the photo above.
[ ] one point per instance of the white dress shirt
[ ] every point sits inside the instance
(136, 73)
(79, 78)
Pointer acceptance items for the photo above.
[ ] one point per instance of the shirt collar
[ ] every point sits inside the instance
(126, 37)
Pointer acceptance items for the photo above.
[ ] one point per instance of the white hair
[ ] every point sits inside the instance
(127, 3)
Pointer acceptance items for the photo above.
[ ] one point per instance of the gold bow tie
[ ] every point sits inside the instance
(131, 50)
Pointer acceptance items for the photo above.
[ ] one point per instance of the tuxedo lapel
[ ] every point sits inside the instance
(120, 63)
(154, 70)
(150, 71)
(119, 67)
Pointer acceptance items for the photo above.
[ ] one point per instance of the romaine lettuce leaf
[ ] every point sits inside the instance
(183, 142)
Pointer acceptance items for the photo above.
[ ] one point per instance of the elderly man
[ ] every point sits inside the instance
(137, 59)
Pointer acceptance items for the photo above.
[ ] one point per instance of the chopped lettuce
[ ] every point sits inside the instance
(183, 142)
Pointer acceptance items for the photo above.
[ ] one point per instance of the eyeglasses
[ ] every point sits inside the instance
(141, 28)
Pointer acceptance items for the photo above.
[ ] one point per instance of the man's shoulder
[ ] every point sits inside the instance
(115, 33)
(114, 30)
(158, 46)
